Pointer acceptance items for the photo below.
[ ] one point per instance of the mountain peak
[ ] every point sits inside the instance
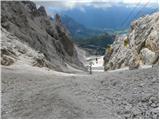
(42, 11)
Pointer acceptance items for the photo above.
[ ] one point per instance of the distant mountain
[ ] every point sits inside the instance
(76, 29)
(116, 17)
(94, 41)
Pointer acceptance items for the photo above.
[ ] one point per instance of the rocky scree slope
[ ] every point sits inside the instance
(142, 45)
(33, 27)
(42, 94)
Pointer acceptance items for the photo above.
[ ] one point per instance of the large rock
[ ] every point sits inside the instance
(148, 56)
(6, 60)
(33, 27)
(142, 48)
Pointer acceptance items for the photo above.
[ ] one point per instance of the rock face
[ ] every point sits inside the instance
(118, 58)
(14, 50)
(142, 48)
(33, 27)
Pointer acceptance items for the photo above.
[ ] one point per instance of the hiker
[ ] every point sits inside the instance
(96, 60)
(90, 68)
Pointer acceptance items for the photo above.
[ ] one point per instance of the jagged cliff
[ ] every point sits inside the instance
(32, 26)
(139, 47)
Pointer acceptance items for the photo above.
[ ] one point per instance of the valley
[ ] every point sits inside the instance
(68, 63)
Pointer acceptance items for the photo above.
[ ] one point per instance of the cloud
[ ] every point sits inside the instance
(139, 1)
(70, 4)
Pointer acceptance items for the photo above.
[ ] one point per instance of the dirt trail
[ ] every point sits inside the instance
(31, 92)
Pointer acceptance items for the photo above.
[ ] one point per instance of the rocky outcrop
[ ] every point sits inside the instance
(13, 51)
(142, 48)
(118, 58)
(144, 38)
(6, 60)
(33, 27)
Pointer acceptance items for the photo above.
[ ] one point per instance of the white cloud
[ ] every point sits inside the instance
(139, 1)
(70, 4)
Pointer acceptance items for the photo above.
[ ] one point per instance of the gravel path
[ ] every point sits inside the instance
(32, 92)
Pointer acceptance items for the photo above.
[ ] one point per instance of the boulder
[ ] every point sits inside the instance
(148, 56)
(7, 60)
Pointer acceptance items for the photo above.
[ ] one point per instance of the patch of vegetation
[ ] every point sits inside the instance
(126, 42)
(125, 31)
(97, 44)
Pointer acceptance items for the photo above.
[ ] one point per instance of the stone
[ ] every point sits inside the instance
(148, 56)
(7, 60)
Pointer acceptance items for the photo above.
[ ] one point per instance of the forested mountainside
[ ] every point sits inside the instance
(96, 45)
